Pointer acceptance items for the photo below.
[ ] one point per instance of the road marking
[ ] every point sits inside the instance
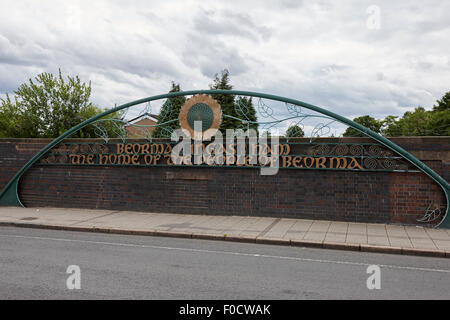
(258, 255)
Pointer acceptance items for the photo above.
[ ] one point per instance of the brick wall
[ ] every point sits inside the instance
(313, 194)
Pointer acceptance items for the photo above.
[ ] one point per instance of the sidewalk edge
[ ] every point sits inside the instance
(296, 243)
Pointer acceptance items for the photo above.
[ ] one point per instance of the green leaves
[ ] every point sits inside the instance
(294, 132)
(419, 122)
(45, 107)
(241, 108)
(170, 110)
(443, 104)
(368, 122)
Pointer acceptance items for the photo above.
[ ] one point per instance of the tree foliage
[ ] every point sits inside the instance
(420, 122)
(295, 132)
(368, 122)
(443, 104)
(226, 101)
(241, 108)
(46, 107)
(246, 111)
(170, 110)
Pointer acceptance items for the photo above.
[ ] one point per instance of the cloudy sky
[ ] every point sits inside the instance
(351, 57)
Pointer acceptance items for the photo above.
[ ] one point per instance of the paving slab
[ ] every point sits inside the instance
(357, 228)
(315, 236)
(320, 226)
(301, 225)
(442, 244)
(338, 227)
(376, 230)
(367, 237)
(280, 228)
(417, 232)
(420, 243)
(294, 235)
(400, 242)
(378, 240)
(396, 231)
(335, 237)
(356, 238)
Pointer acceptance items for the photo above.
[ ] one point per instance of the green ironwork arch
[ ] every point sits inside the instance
(9, 195)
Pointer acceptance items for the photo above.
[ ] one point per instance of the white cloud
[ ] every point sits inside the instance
(321, 52)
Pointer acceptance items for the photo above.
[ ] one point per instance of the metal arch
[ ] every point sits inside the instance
(9, 195)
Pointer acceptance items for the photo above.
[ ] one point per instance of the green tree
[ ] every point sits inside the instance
(111, 128)
(439, 123)
(295, 132)
(170, 110)
(412, 123)
(226, 101)
(46, 107)
(366, 121)
(246, 111)
(443, 104)
(389, 126)
(10, 122)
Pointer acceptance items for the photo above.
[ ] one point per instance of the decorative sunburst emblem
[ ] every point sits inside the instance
(202, 108)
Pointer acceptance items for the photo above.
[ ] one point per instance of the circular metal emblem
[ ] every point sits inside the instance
(200, 112)
(202, 108)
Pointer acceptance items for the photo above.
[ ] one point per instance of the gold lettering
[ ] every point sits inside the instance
(135, 159)
(340, 163)
(285, 149)
(103, 158)
(311, 162)
(123, 159)
(138, 146)
(297, 162)
(287, 161)
(75, 158)
(354, 164)
(90, 159)
(145, 148)
(157, 148)
(111, 157)
(128, 148)
(156, 159)
(320, 162)
(148, 159)
(168, 149)
(120, 148)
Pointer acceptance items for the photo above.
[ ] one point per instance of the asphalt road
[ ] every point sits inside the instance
(34, 262)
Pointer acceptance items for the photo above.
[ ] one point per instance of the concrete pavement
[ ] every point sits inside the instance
(282, 231)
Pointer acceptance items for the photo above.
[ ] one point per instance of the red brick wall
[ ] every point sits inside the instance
(391, 197)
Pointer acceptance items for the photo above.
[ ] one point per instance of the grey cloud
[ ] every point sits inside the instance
(22, 53)
(320, 52)
(230, 23)
(211, 55)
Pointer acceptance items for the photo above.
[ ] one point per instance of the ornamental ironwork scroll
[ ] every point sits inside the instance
(273, 112)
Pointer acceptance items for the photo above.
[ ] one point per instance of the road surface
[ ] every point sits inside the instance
(34, 265)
